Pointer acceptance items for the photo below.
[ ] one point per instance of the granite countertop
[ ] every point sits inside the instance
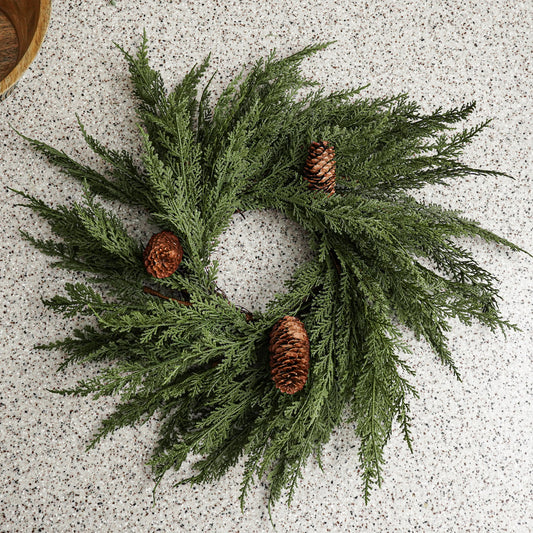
(472, 464)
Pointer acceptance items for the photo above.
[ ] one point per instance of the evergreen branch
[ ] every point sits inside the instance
(97, 183)
(126, 177)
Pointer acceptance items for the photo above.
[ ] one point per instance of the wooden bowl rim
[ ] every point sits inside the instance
(33, 48)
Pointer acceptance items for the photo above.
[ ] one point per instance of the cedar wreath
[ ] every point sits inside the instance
(383, 259)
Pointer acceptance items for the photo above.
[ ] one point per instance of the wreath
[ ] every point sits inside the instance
(270, 386)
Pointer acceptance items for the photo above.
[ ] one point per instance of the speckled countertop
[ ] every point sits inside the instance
(472, 464)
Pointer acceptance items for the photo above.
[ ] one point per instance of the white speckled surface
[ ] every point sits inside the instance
(472, 466)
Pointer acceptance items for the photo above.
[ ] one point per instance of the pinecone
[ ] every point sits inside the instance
(163, 254)
(289, 354)
(319, 169)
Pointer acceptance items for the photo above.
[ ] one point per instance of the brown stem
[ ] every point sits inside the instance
(335, 261)
(248, 315)
(147, 290)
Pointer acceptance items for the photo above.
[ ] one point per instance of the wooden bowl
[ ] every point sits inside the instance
(23, 24)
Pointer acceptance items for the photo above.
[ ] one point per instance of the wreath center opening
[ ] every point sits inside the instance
(257, 254)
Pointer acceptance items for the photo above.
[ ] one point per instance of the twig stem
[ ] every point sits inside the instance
(148, 290)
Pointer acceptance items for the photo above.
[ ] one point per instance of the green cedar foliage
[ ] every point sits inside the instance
(383, 260)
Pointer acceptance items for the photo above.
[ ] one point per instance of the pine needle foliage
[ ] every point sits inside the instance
(383, 260)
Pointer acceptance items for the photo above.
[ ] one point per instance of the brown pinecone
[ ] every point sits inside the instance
(319, 169)
(289, 354)
(163, 254)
